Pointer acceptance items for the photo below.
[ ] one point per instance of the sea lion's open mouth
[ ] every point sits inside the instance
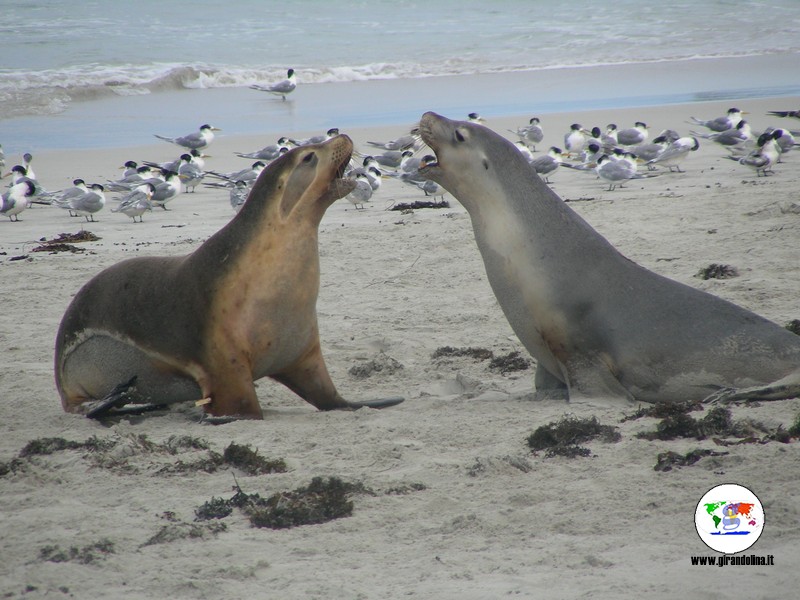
(430, 163)
(340, 185)
(342, 168)
(344, 185)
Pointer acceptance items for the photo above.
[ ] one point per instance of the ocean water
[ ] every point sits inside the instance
(162, 62)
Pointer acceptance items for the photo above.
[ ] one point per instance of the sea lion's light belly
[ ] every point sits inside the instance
(522, 287)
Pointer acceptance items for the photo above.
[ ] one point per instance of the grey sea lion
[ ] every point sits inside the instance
(205, 326)
(597, 323)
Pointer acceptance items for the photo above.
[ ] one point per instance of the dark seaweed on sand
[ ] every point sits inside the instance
(55, 248)
(716, 423)
(794, 430)
(182, 531)
(216, 508)
(715, 271)
(87, 554)
(46, 446)
(474, 353)
(63, 238)
(403, 489)
(794, 326)
(64, 241)
(420, 204)
(668, 460)
(661, 410)
(248, 460)
(242, 457)
(562, 438)
(509, 363)
(321, 501)
(43, 446)
(506, 363)
(235, 455)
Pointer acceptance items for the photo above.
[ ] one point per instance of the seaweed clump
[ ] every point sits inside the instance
(474, 353)
(248, 460)
(417, 204)
(87, 554)
(45, 446)
(563, 438)
(182, 531)
(51, 445)
(666, 461)
(80, 236)
(60, 243)
(794, 430)
(662, 410)
(235, 455)
(716, 271)
(717, 422)
(794, 326)
(505, 363)
(509, 363)
(320, 501)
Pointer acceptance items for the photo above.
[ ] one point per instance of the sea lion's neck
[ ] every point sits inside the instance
(527, 219)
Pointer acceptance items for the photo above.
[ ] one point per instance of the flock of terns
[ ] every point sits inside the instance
(614, 155)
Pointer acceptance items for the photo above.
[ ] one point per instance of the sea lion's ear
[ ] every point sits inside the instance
(298, 182)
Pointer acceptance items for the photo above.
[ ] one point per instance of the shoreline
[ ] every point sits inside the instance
(121, 121)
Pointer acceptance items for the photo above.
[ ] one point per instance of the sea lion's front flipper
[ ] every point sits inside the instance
(309, 379)
(379, 403)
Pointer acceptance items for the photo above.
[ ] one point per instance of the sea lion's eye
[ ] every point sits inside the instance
(459, 136)
(309, 157)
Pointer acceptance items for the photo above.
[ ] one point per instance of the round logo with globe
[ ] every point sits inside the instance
(729, 518)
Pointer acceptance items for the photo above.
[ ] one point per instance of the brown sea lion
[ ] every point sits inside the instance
(161, 330)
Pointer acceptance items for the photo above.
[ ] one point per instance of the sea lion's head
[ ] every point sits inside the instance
(304, 181)
(472, 162)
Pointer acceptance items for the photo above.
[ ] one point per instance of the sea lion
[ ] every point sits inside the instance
(242, 306)
(597, 323)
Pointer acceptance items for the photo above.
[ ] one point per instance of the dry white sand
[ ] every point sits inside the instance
(490, 519)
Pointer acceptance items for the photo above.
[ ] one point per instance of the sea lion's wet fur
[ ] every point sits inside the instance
(597, 323)
(206, 325)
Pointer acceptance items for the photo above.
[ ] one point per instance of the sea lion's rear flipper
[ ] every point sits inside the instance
(116, 401)
(783, 389)
(379, 403)
(132, 409)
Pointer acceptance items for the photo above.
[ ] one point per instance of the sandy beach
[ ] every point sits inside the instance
(458, 505)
